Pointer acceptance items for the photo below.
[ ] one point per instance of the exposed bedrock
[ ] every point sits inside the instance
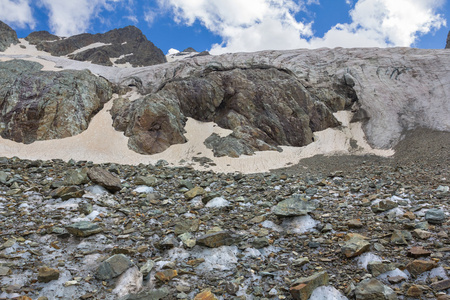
(7, 36)
(38, 105)
(265, 108)
(124, 45)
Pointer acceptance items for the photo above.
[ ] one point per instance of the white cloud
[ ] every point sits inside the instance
(17, 13)
(68, 17)
(273, 24)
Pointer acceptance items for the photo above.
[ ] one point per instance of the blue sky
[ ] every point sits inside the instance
(243, 25)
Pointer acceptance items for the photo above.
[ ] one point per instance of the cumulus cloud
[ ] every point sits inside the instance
(68, 17)
(172, 51)
(274, 24)
(17, 13)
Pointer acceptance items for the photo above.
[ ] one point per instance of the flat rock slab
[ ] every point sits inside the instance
(217, 239)
(441, 285)
(67, 192)
(294, 206)
(435, 216)
(113, 267)
(84, 229)
(418, 251)
(105, 179)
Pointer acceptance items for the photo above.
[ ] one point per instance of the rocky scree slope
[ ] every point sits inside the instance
(41, 105)
(125, 45)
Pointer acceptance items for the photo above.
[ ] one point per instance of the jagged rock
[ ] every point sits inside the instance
(354, 247)
(35, 105)
(146, 180)
(205, 295)
(125, 44)
(303, 288)
(447, 45)
(384, 205)
(7, 36)
(414, 291)
(129, 282)
(372, 289)
(294, 206)
(113, 267)
(76, 177)
(105, 179)
(418, 267)
(418, 251)
(84, 228)
(166, 275)
(189, 50)
(67, 192)
(194, 192)
(441, 285)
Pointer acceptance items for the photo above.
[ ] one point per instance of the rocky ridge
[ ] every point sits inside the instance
(7, 36)
(118, 46)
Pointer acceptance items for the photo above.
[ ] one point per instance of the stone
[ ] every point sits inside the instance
(422, 234)
(194, 192)
(418, 251)
(435, 216)
(354, 223)
(217, 239)
(205, 295)
(146, 180)
(157, 294)
(35, 104)
(5, 271)
(396, 279)
(377, 268)
(186, 225)
(166, 275)
(113, 267)
(67, 192)
(47, 274)
(76, 177)
(129, 282)
(418, 267)
(441, 285)
(7, 37)
(302, 288)
(354, 247)
(372, 289)
(294, 206)
(105, 179)
(83, 228)
(147, 267)
(400, 237)
(384, 205)
(414, 291)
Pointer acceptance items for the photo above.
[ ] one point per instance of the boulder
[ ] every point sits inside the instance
(113, 267)
(7, 36)
(105, 179)
(37, 105)
(303, 288)
(372, 289)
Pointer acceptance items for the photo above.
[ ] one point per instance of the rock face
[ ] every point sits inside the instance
(38, 105)
(392, 91)
(125, 45)
(447, 45)
(264, 106)
(7, 36)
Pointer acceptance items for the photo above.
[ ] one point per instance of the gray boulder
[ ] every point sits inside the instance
(37, 105)
(7, 36)
(372, 289)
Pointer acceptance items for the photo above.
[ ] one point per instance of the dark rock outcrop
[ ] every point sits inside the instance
(7, 36)
(153, 123)
(265, 107)
(447, 45)
(127, 44)
(38, 105)
(41, 36)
